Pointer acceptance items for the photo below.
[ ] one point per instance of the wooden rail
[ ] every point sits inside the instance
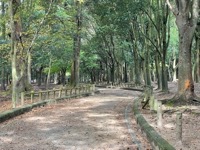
(33, 97)
(115, 85)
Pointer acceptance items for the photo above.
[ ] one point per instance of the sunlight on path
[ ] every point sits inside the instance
(103, 121)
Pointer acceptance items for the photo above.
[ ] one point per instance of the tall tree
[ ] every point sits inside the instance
(16, 47)
(197, 63)
(3, 87)
(21, 46)
(77, 43)
(187, 14)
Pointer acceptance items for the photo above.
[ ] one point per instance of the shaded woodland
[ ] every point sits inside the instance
(70, 42)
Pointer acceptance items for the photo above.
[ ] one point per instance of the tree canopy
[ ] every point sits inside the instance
(111, 41)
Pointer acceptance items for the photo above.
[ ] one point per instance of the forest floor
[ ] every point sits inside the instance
(103, 121)
(190, 121)
(97, 122)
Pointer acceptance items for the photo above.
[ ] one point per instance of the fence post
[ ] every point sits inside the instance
(87, 89)
(65, 92)
(22, 98)
(54, 93)
(45, 95)
(79, 91)
(48, 94)
(84, 90)
(68, 92)
(32, 96)
(179, 126)
(75, 90)
(60, 93)
(40, 95)
(71, 92)
(159, 114)
(93, 87)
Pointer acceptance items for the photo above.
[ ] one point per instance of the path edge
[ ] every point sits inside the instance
(156, 141)
(4, 116)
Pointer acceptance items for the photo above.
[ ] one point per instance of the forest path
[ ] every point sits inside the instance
(103, 121)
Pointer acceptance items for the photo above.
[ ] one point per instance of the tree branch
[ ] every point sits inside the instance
(40, 26)
(196, 11)
(151, 20)
(148, 38)
(172, 8)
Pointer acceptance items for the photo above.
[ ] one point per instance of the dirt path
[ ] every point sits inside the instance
(103, 121)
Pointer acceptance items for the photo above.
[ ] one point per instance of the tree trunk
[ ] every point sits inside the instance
(29, 68)
(118, 78)
(164, 68)
(157, 64)
(187, 14)
(48, 75)
(197, 37)
(153, 76)
(137, 70)
(185, 82)
(92, 76)
(112, 73)
(107, 73)
(164, 77)
(174, 66)
(125, 73)
(39, 79)
(77, 44)
(165, 43)
(8, 81)
(55, 78)
(137, 78)
(131, 74)
(19, 60)
(76, 62)
(147, 71)
(63, 76)
(15, 76)
(3, 87)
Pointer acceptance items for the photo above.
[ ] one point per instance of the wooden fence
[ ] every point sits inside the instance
(115, 85)
(64, 92)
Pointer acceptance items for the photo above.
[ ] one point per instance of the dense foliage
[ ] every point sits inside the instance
(105, 40)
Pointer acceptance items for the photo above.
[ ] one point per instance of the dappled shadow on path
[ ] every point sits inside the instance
(95, 122)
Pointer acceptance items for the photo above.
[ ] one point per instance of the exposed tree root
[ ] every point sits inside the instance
(182, 100)
(196, 99)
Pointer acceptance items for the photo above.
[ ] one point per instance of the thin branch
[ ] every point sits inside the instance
(196, 11)
(40, 26)
(150, 42)
(156, 27)
(172, 8)
(151, 20)
(168, 20)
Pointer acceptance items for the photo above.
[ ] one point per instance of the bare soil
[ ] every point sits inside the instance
(190, 121)
(103, 121)
(97, 122)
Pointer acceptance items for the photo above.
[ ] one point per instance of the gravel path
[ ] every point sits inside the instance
(103, 121)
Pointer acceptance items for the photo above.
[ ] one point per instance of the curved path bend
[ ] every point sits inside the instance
(103, 121)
